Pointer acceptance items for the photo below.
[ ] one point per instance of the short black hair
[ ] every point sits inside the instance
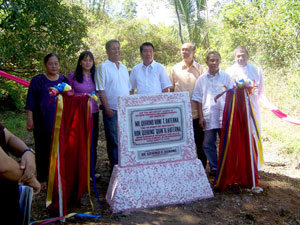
(212, 53)
(47, 57)
(146, 44)
(107, 45)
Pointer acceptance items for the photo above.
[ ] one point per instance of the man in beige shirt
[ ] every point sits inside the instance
(183, 77)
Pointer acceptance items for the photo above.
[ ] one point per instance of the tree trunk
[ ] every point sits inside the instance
(179, 22)
(103, 7)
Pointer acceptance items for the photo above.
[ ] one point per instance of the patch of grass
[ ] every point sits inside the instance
(16, 123)
(279, 133)
(282, 89)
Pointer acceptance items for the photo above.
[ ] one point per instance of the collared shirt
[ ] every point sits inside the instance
(184, 78)
(253, 73)
(151, 79)
(86, 87)
(114, 81)
(206, 89)
(248, 72)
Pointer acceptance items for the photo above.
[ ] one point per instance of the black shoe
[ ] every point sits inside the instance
(213, 173)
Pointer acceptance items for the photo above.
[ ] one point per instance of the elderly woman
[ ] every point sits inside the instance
(40, 113)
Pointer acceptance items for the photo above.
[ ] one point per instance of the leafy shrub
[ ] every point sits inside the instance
(12, 95)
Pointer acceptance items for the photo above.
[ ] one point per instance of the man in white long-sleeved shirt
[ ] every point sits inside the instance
(242, 69)
(208, 86)
(149, 76)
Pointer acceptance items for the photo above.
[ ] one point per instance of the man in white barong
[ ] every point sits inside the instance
(242, 69)
(210, 111)
(149, 76)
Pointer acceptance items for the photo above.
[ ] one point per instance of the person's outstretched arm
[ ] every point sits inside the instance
(17, 147)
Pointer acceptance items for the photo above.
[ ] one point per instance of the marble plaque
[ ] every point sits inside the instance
(155, 128)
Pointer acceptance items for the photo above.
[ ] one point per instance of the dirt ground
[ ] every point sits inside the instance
(278, 204)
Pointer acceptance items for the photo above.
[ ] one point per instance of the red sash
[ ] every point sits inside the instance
(237, 163)
(70, 156)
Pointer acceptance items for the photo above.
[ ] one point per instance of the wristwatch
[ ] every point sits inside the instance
(29, 150)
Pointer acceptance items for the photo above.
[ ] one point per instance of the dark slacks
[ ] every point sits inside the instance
(199, 137)
(42, 141)
(111, 134)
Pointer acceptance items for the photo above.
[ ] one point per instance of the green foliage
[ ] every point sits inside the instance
(280, 134)
(192, 22)
(238, 21)
(132, 33)
(30, 29)
(129, 9)
(283, 88)
(12, 95)
(269, 29)
(16, 123)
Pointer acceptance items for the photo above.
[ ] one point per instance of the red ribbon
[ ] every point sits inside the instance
(14, 78)
(265, 101)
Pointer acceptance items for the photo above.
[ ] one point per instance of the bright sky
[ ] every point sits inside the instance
(156, 11)
(159, 11)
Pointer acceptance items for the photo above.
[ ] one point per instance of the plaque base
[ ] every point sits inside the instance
(138, 187)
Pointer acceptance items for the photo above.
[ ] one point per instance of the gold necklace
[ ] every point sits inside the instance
(50, 77)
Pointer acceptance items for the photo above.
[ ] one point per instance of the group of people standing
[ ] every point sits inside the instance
(111, 80)
(203, 87)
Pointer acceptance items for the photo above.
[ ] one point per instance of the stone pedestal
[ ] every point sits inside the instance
(148, 186)
(157, 156)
